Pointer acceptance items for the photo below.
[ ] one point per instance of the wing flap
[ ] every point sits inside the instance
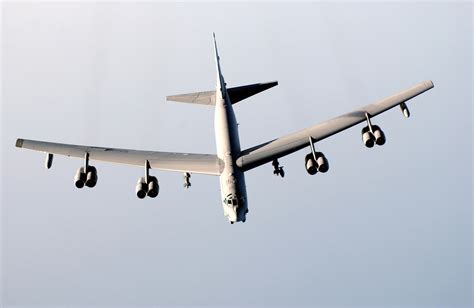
(181, 162)
(276, 148)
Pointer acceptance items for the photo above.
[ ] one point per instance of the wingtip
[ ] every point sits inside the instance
(19, 143)
(428, 84)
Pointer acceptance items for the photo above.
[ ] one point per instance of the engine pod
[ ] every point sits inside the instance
(91, 177)
(378, 135)
(153, 187)
(141, 188)
(367, 137)
(310, 164)
(323, 164)
(80, 178)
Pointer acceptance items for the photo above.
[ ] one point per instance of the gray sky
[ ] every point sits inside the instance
(389, 226)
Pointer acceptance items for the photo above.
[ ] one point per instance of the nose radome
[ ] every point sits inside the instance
(232, 214)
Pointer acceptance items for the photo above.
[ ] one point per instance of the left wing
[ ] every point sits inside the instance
(288, 144)
(181, 162)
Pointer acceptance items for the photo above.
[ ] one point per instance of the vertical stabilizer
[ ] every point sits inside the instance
(220, 78)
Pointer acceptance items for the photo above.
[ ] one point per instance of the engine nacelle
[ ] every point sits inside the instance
(142, 188)
(367, 137)
(80, 178)
(310, 164)
(378, 135)
(91, 176)
(153, 187)
(322, 162)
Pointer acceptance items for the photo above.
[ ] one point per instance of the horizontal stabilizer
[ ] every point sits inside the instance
(236, 94)
(240, 93)
(202, 98)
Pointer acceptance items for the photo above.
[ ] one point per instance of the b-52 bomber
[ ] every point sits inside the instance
(230, 162)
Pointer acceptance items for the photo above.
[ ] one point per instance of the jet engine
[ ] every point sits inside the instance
(378, 135)
(80, 178)
(88, 178)
(153, 187)
(321, 163)
(150, 189)
(142, 188)
(367, 137)
(310, 164)
(91, 176)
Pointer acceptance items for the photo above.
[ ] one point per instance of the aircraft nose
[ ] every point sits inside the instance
(232, 214)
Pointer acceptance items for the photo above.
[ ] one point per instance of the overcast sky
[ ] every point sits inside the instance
(388, 226)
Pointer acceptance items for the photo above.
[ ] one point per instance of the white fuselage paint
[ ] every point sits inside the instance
(232, 180)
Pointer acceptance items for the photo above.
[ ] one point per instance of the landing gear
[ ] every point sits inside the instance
(277, 169)
(187, 182)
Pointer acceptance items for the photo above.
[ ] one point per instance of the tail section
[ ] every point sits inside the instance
(235, 94)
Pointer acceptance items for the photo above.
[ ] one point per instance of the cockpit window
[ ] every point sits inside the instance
(232, 200)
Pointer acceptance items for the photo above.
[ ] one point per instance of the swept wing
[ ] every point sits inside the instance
(268, 151)
(181, 162)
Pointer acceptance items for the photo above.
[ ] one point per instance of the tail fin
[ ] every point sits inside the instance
(219, 77)
(235, 94)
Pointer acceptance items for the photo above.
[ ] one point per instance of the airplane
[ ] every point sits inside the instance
(230, 162)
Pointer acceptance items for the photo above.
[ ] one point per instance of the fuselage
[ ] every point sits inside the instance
(232, 180)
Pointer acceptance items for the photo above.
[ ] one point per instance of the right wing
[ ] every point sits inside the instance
(181, 162)
(267, 152)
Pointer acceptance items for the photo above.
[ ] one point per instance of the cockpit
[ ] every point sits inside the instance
(235, 207)
(233, 201)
